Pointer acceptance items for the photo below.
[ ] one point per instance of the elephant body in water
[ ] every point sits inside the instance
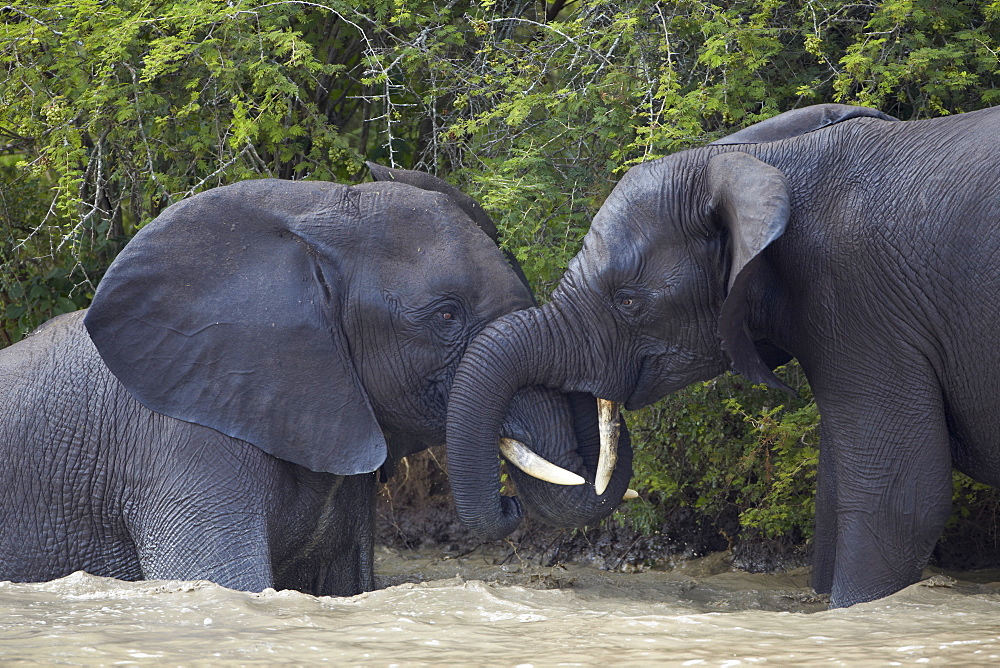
(863, 246)
(250, 359)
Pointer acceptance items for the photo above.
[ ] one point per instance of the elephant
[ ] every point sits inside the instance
(863, 246)
(250, 361)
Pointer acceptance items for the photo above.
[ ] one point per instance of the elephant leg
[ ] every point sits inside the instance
(337, 557)
(351, 569)
(891, 481)
(825, 536)
(195, 542)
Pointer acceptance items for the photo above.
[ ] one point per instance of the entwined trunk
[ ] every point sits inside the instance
(522, 349)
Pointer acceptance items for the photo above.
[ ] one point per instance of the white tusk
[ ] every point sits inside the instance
(609, 424)
(522, 457)
(630, 494)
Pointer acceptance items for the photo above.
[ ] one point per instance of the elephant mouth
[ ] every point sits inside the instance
(646, 385)
(515, 449)
(657, 376)
(639, 399)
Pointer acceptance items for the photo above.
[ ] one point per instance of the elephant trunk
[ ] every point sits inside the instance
(517, 351)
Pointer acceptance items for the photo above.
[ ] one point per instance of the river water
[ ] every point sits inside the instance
(470, 611)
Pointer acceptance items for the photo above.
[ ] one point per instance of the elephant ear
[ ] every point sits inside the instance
(799, 122)
(471, 207)
(222, 313)
(751, 200)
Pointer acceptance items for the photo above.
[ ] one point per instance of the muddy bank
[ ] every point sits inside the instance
(415, 511)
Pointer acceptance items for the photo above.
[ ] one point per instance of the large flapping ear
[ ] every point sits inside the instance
(220, 313)
(471, 207)
(751, 199)
(799, 122)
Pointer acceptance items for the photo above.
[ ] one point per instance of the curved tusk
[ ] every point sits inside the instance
(609, 423)
(630, 494)
(522, 457)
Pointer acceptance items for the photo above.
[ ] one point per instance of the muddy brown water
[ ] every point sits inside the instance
(470, 611)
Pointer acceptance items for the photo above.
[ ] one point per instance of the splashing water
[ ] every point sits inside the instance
(470, 611)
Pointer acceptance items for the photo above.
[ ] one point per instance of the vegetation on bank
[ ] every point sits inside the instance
(112, 110)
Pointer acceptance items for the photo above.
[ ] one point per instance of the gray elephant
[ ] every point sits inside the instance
(863, 246)
(250, 359)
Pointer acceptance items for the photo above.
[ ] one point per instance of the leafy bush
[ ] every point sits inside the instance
(38, 260)
(724, 446)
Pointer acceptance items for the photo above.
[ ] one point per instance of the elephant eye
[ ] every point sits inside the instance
(445, 315)
(449, 312)
(626, 300)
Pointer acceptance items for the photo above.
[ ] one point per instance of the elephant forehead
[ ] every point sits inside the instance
(414, 243)
(404, 219)
(613, 245)
(489, 288)
(641, 219)
(640, 205)
(446, 261)
(429, 246)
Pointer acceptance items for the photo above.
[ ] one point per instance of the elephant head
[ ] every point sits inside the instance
(560, 505)
(661, 294)
(322, 323)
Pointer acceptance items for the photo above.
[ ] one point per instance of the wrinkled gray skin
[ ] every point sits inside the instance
(863, 246)
(480, 505)
(249, 360)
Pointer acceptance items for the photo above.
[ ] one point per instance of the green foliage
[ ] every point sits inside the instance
(725, 445)
(37, 259)
(940, 57)
(111, 110)
(971, 538)
(973, 498)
